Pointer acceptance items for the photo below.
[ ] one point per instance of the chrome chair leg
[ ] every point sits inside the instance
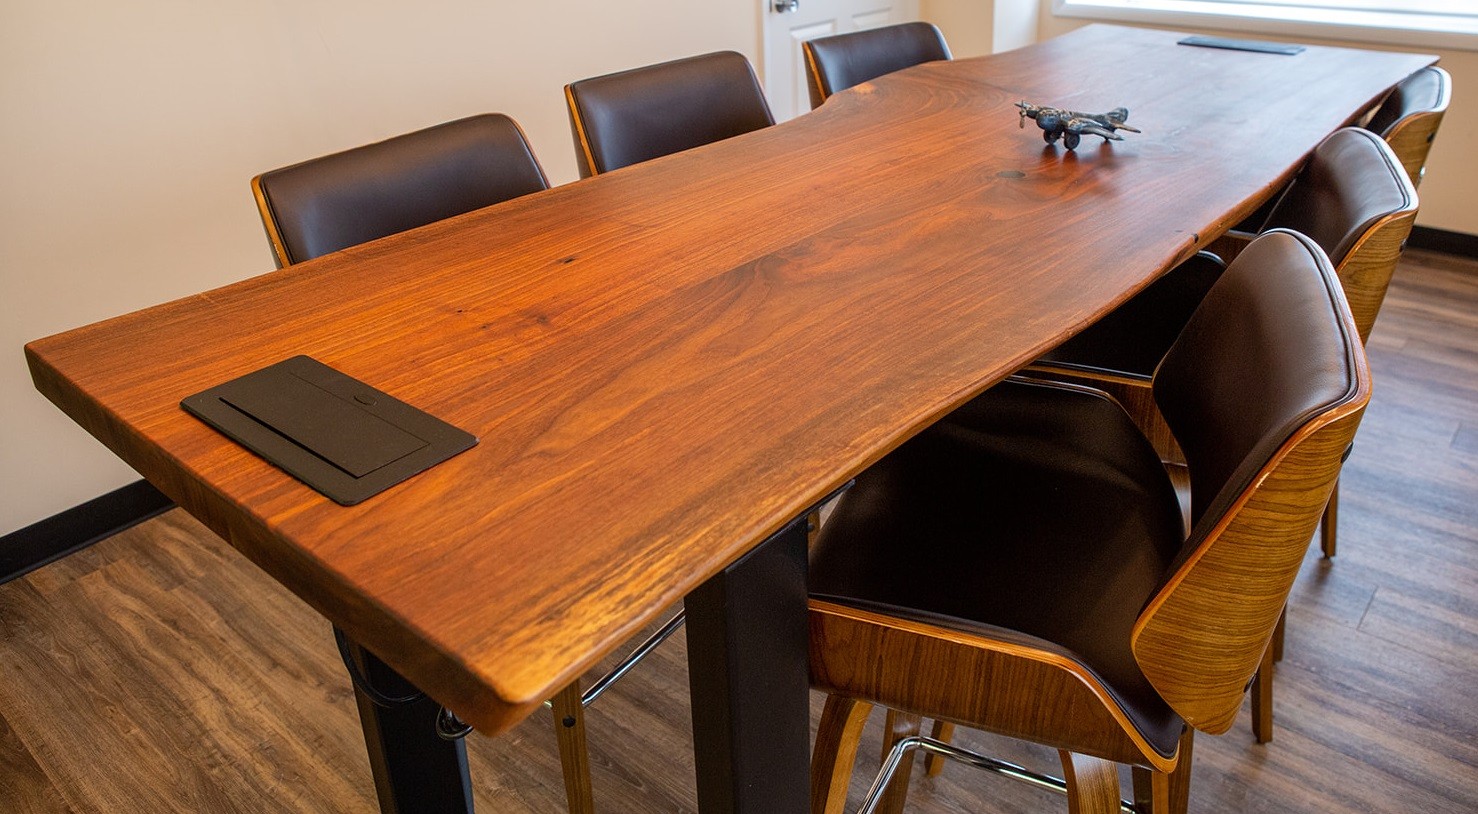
(933, 747)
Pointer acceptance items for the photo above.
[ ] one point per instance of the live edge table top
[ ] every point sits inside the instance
(667, 363)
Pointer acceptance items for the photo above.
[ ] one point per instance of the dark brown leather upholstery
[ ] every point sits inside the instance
(838, 62)
(633, 116)
(1349, 183)
(340, 200)
(1259, 357)
(1039, 516)
(1427, 90)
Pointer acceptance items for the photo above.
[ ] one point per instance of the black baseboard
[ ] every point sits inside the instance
(77, 528)
(1441, 240)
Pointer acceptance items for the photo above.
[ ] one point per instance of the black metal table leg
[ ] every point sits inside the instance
(416, 771)
(748, 675)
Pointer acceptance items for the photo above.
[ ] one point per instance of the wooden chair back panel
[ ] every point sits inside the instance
(979, 682)
(1200, 640)
(1412, 142)
(1264, 390)
(1352, 180)
(1409, 118)
(1366, 271)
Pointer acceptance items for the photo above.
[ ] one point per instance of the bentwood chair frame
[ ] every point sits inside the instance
(1408, 119)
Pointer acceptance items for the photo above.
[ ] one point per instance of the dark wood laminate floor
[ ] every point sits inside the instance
(160, 672)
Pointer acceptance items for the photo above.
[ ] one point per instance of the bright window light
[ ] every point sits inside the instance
(1406, 7)
(1423, 23)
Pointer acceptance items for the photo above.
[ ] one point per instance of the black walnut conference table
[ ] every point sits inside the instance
(667, 365)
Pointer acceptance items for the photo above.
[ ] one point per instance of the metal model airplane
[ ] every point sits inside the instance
(1071, 126)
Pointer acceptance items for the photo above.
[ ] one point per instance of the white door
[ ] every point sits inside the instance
(788, 23)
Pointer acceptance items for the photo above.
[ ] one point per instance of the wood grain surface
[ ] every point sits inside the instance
(1023, 692)
(668, 362)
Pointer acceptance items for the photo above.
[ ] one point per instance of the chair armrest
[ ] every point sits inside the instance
(1133, 393)
(1008, 682)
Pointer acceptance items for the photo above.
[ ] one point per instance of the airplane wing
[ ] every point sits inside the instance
(1091, 128)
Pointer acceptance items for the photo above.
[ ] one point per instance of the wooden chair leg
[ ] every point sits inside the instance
(1262, 699)
(1092, 784)
(1144, 789)
(837, 739)
(1278, 635)
(942, 731)
(900, 725)
(574, 759)
(1329, 523)
(1166, 792)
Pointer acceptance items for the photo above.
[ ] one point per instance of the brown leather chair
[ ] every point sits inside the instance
(625, 118)
(838, 62)
(1024, 566)
(1356, 201)
(1409, 117)
(341, 200)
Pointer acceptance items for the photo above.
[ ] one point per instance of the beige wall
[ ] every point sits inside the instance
(130, 131)
(977, 27)
(968, 25)
(1452, 170)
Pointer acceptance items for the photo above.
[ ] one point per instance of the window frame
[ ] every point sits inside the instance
(1282, 20)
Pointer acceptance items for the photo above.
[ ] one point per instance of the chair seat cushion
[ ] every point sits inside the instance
(1035, 511)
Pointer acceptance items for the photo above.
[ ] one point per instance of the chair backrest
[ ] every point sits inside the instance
(1263, 390)
(836, 63)
(1355, 200)
(1409, 117)
(625, 118)
(340, 200)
